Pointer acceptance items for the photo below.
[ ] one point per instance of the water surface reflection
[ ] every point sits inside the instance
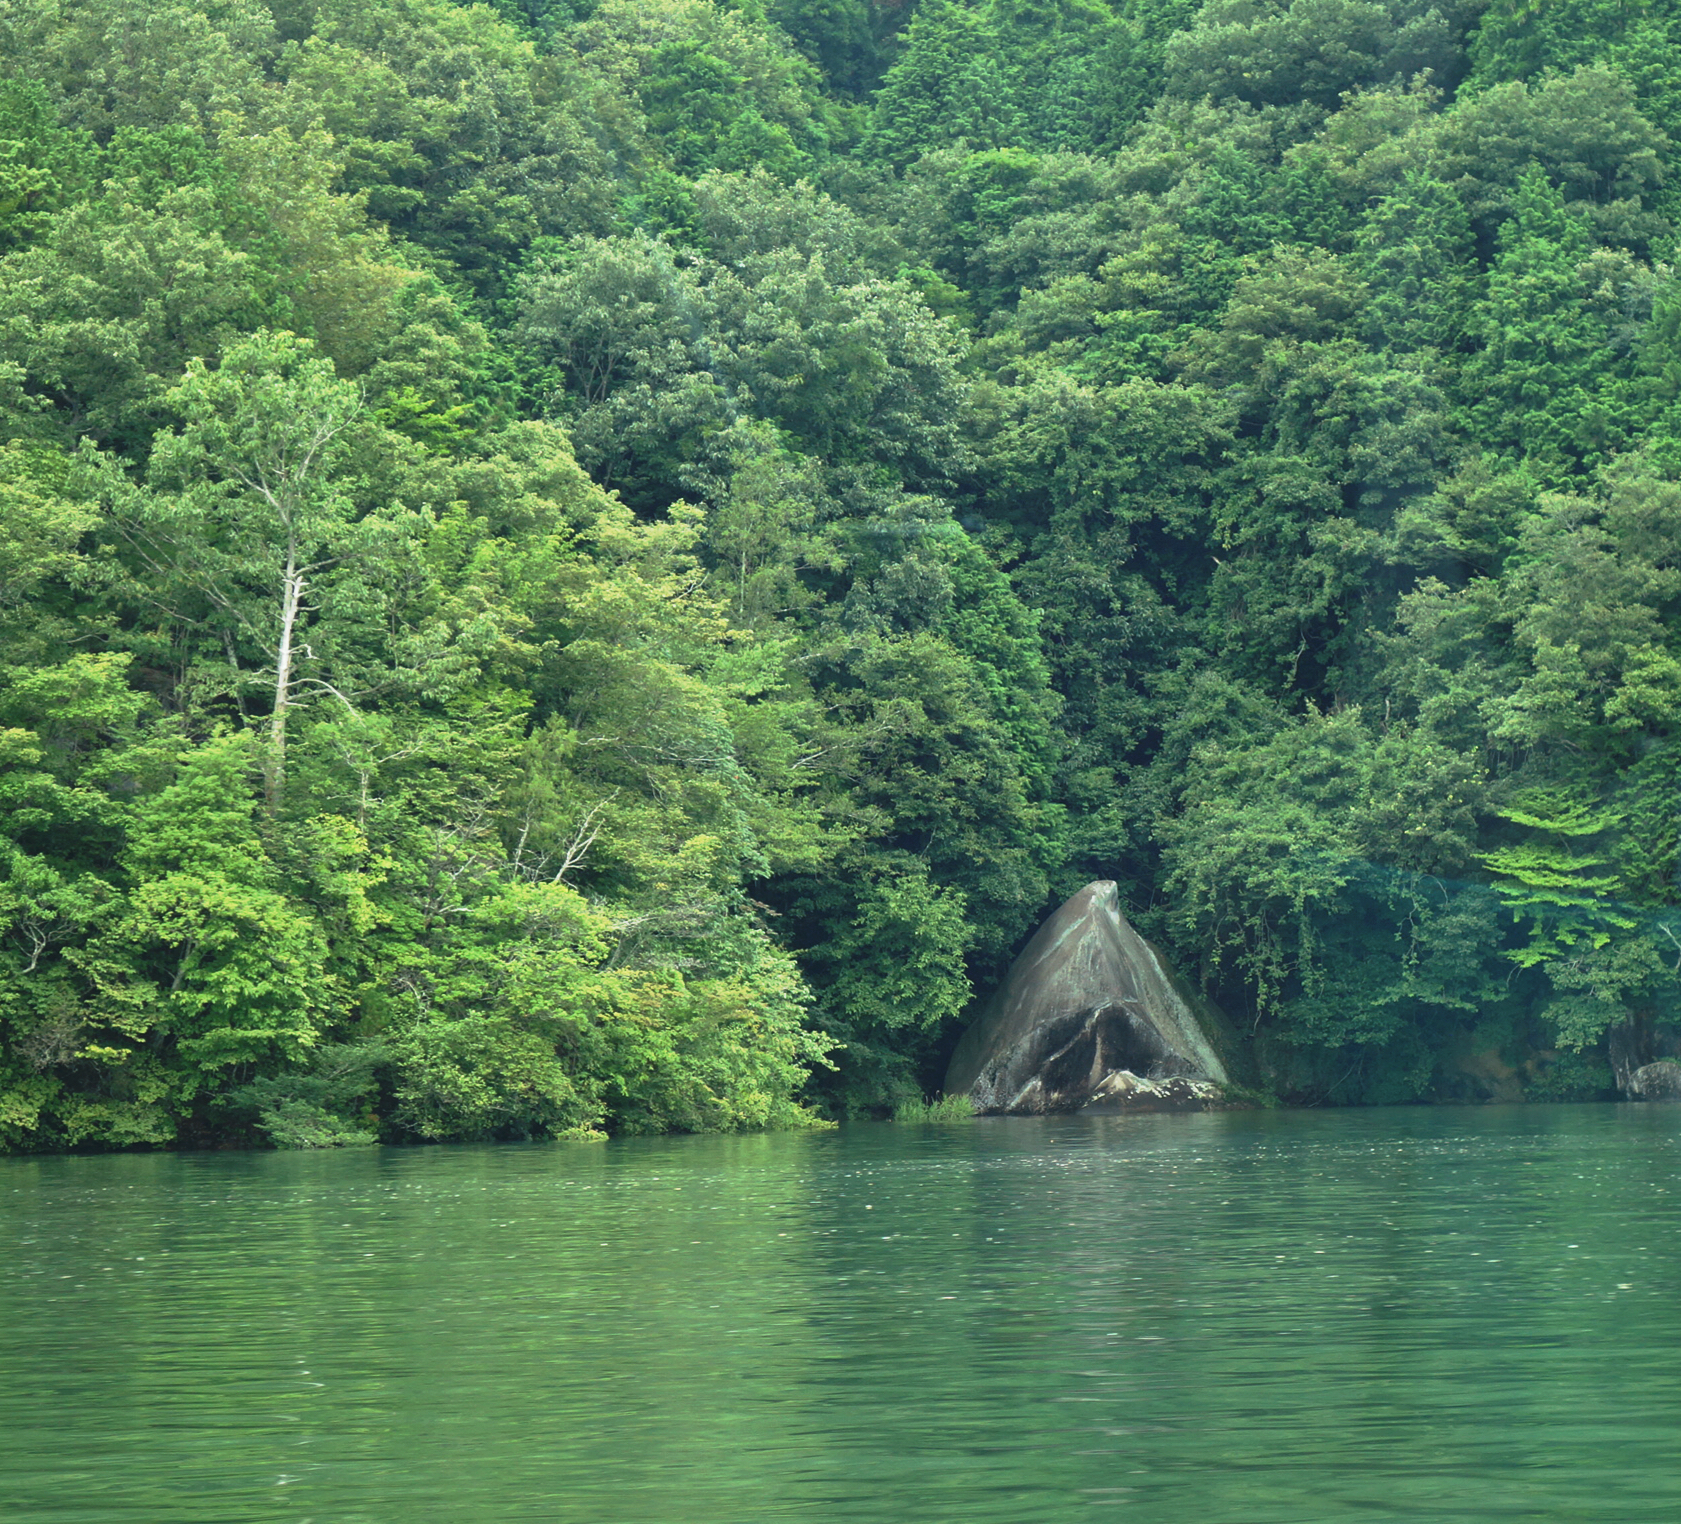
(1453, 1315)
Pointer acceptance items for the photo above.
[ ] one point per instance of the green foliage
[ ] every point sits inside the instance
(711, 87)
(946, 1108)
(899, 957)
(573, 568)
(1573, 1077)
(1310, 50)
(1070, 74)
(1524, 41)
(1577, 926)
(460, 134)
(1418, 256)
(307, 1108)
(42, 165)
(1544, 353)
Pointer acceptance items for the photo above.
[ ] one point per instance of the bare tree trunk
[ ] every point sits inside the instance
(291, 600)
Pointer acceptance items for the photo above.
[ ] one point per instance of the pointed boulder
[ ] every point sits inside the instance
(1092, 1017)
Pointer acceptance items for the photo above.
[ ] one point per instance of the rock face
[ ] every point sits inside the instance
(1091, 1017)
(1645, 1058)
(1656, 1082)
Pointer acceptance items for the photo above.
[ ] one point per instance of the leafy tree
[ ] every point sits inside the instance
(42, 166)
(251, 526)
(1418, 256)
(1312, 50)
(1228, 448)
(1532, 387)
(998, 75)
(842, 37)
(1583, 130)
(1552, 881)
(714, 87)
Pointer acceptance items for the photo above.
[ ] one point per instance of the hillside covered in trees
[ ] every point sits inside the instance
(601, 566)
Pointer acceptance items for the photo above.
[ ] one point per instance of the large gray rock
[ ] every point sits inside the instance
(1656, 1082)
(1091, 1017)
(1644, 1054)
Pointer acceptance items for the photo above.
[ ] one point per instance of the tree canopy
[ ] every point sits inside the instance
(570, 567)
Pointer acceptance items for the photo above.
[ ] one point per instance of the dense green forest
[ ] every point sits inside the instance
(599, 566)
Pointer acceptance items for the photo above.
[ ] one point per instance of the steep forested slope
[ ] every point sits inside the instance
(601, 565)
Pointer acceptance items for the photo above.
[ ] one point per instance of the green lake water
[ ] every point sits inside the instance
(1302, 1317)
